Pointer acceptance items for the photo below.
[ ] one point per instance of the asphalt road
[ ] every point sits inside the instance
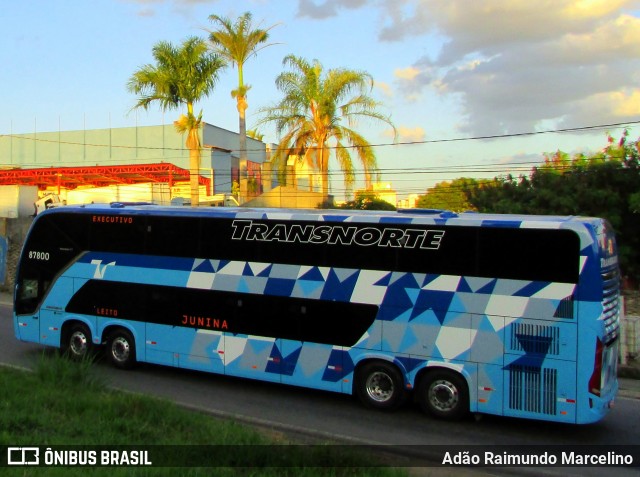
(314, 414)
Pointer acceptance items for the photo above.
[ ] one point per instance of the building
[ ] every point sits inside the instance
(410, 202)
(381, 190)
(150, 163)
(130, 147)
(141, 163)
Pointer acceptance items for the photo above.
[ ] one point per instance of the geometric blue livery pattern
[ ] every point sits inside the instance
(516, 342)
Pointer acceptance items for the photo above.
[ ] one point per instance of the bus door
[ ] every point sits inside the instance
(28, 325)
(52, 311)
(29, 292)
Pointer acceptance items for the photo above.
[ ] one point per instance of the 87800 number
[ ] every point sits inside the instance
(38, 255)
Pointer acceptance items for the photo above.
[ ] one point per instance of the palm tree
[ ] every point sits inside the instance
(255, 134)
(236, 42)
(310, 118)
(181, 75)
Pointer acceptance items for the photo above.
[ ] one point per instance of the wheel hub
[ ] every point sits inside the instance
(380, 387)
(78, 343)
(120, 349)
(443, 395)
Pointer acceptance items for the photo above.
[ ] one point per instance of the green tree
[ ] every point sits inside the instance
(311, 118)
(559, 162)
(605, 184)
(237, 42)
(181, 76)
(448, 195)
(368, 201)
(255, 134)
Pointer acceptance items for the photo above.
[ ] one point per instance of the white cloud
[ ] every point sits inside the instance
(326, 8)
(180, 6)
(409, 73)
(386, 88)
(516, 64)
(411, 134)
(613, 106)
(513, 65)
(407, 134)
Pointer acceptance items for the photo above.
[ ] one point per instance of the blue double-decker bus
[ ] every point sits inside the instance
(508, 315)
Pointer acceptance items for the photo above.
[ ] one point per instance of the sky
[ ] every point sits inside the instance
(475, 88)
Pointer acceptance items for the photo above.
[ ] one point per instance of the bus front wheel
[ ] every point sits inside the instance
(379, 385)
(121, 349)
(443, 394)
(77, 344)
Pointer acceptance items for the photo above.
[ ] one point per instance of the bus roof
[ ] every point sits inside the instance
(401, 216)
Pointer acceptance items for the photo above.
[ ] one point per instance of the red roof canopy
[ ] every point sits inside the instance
(98, 176)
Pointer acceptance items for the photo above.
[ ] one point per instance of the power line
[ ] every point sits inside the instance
(404, 173)
(511, 135)
(34, 138)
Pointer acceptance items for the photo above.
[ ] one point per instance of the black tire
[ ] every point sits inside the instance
(444, 394)
(121, 349)
(78, 343)
(379, 385)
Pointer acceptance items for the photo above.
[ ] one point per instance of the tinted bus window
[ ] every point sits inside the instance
(173, 236)
(529, 254)
(118, 233)
(53, 243)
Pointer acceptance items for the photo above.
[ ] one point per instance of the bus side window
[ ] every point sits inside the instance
(28, 289)
(29, 294)
(173, 236)
(118, 234)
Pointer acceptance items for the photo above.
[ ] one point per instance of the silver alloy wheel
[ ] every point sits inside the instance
(120, 349)
(380, 387)
(443, 395)
(78, 343)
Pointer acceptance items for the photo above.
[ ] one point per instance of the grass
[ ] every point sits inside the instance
(65, 403)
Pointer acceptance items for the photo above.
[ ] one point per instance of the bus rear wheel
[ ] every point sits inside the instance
(379, 385)
(77, 344)
(121, 349)
(443, 394)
